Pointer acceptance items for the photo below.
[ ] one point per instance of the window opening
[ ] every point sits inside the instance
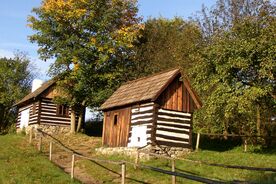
(62, 110)
(115, 121)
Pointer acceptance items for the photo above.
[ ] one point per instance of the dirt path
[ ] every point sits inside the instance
(79, 143)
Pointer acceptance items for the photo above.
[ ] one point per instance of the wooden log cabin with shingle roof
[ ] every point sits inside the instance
(37, 110)
(154, 110)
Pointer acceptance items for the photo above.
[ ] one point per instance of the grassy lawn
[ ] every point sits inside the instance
(21, 163)
(232, 156)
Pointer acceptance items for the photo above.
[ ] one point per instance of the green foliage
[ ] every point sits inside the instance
(91, 42)
(165, 44)
(235, 72)
(15, 83)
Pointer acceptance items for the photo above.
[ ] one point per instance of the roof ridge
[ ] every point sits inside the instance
(37, 92)
(149, 76)
(142, 89)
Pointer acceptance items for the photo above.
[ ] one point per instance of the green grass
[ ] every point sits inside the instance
(21, 163)
(234, 156)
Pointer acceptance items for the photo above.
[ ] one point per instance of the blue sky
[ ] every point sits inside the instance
(14, 31)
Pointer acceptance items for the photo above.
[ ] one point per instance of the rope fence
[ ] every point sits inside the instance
(123, 163)
(230, 135)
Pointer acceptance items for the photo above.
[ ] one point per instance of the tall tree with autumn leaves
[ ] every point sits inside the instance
(91, 43)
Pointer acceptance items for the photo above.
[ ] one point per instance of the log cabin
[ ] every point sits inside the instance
(38, 110)
(154, 110)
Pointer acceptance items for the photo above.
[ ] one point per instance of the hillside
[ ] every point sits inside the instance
(21, 163)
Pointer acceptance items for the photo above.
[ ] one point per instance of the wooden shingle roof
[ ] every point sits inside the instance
(140, 90)
(37, 92)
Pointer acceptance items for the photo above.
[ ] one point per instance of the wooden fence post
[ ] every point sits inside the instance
(123, 172)
(137, 160)
(197, 141)
(50, 150)
(245, 145)
(173, 170)
(72, 166)
(40, 143)
(31, 136)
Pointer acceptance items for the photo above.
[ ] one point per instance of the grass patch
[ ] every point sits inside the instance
(21, 163)
(234, 156)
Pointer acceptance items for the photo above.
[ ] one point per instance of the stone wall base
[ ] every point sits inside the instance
(132, 152)
(50, 129)
(167, 151)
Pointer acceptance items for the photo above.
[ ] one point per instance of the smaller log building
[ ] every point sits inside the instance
(155, 110)
(38, 110)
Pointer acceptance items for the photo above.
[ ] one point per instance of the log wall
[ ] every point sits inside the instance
(48, 114)
(173, 128)
(142, 118)
(45, 114)
(33, 116)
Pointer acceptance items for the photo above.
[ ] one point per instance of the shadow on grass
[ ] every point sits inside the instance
(219, 144)
(264, 150)
(266, 178)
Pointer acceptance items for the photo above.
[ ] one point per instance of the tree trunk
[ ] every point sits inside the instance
(73, 121)
(225, 132)
(82, 112)
(258, 120)
(80, 121)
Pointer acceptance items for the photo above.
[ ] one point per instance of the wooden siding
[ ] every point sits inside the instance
(49, 115)
(116, 135)
(176, 97)
(45, 114)
(173, 128)
(33, 117)
(142, 115)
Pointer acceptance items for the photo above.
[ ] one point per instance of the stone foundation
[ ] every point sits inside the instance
(167, 151)
(132, 152)
(50, 129)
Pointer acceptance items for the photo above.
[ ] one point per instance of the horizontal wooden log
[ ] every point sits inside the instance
(142, 123)
(143, 105)
(137, 113)
(24, 108)
(43, 104)
(173, 130)
(174, 112)
(174, 115)
(171, 137)
(59, 118)
(47, 110)
(172, 144)
(143, 117)
(173, 120)
(174, 125)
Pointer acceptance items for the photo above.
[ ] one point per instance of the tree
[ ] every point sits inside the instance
(15, 83)
(91, 41)
(165, 44)
(235, 72)
(226, 13)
